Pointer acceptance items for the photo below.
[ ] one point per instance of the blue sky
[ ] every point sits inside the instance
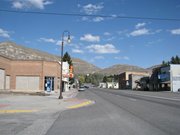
(102, 41)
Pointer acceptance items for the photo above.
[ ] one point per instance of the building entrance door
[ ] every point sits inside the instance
(49, 84)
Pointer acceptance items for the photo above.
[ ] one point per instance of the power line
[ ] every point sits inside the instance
(86, 15)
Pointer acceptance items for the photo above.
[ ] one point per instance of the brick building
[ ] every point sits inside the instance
(27, 69)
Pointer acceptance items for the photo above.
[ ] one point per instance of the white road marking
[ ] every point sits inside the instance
(156, 97)
(132, 99)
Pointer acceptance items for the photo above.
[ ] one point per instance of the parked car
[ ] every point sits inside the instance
(87, 87)
(81, 88)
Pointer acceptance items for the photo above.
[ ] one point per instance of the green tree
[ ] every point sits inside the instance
(177, 60)
(67, 58)
(165, 63)
(173, 61)
(81, 79)
(105, 79)
(116, 78)
(87, 79)
(108, 78)
(93, 78)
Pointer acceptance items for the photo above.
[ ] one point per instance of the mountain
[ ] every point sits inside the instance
(83, 67)
(117, 69)
(153, 67)
(17, 52)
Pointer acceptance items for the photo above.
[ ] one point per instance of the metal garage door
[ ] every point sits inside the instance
(2, 78)
(7, 82)
(27, 83)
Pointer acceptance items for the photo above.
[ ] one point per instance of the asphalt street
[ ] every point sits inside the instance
(121, 113)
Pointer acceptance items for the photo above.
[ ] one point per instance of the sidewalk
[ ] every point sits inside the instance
(48, 102)
(68, 94)
(24, 114)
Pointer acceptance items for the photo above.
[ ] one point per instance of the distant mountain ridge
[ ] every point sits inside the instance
(83, 67)
(153, 67)
(16, 52)
(119, 68)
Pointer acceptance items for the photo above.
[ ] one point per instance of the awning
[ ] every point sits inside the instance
(166, 82)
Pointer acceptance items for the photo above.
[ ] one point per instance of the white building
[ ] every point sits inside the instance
(175, 77)
(112, 85)
(102, 85)
(171, 75)
(109, 85)
(65, 76)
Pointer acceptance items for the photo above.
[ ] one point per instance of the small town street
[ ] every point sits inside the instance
(94, 111)
(24, 114)
(121, 113)
(96, 67)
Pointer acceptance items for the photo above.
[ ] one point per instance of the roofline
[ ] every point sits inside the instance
(26, 60)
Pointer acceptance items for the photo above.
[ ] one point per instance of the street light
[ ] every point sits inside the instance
(62, 47)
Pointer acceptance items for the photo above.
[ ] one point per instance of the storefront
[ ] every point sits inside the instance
(24, 69)
(49, 84)
(170, 77)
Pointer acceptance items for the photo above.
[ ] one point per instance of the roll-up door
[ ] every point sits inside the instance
(27, 83)
(7, 82)
(2, 79)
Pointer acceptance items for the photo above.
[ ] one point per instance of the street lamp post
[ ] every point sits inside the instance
(62, 47)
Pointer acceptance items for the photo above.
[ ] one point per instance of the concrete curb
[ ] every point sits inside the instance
(70, 94)
(24, 93)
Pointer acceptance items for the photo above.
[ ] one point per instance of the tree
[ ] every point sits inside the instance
(67, 58)
(173, 60)
(105, 79)
(177, 59)
(116, 78)
(109, 78)
(164, 63)
(81, 79)
(93, 78)
(87, 78)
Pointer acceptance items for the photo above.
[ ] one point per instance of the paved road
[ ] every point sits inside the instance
(120, 113)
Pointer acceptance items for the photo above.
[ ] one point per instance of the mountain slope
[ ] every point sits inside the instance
(83, 67)
(153, 67)
(117, 69)
(17, 52)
